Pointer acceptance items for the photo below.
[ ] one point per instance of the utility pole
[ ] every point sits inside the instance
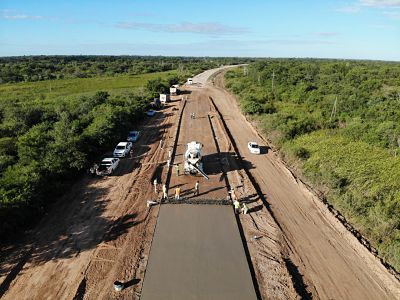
(273, 78)
(333, 113)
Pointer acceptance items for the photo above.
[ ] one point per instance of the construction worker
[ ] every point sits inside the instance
(155, 182)
(177, 193)
(177, 169)
(161, 143)
(164, 190)
(245, 209)
(169, 154)
(168, 163)
(196, 189)
(233, 194)
(131, 153)
(236, 205)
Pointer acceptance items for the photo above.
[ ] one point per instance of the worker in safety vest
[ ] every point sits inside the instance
(233, 194)
(155, 182)
(245, 209)
(177, 193)
(196, 189)
(236, 205)
(164, 190)
(177, 169)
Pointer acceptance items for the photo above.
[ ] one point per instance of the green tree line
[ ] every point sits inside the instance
(338, 123)
(37, 68)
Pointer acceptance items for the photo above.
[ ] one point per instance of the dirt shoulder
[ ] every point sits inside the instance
(99, 232)
(327, 260)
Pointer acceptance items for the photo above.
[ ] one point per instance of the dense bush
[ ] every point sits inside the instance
(37, 68)
(46, 145)
(340, 122)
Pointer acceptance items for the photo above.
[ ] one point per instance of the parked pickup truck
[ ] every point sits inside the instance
(122, 149)
(107, 166)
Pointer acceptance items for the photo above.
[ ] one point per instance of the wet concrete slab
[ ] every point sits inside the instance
(197, 253)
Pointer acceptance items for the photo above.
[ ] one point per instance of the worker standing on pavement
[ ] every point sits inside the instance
(177, 193)
(177, 169)
(164, 190)
(233, 194)
(155, 182)
(245, 209)
(236, 205)
(196, 189)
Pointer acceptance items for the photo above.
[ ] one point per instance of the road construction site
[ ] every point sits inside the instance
(289, 245)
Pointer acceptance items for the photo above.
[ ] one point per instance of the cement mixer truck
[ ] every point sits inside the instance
(193, 159)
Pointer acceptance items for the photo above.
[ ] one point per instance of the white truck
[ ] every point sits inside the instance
(190, 81)
(107, 166)
(173, 90)
(193, 159)
(164, 98)
(122, 149)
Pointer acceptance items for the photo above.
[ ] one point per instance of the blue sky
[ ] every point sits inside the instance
(360, 29)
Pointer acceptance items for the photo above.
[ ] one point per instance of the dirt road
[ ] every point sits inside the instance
(325, 260)
(102, 230)
(99, 232)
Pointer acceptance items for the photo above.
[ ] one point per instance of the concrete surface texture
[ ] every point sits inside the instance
(197, 253)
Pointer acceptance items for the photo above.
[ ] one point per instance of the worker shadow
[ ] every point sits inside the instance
(176, 186)
(187, 192)
(256, 208)
(209, 191)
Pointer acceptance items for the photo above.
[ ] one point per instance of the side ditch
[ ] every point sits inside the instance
(302, 288)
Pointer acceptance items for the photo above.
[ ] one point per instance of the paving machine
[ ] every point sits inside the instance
(193, 159)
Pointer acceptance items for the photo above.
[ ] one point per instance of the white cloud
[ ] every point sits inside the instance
(350, 9)
(21, 17)
(393, 15)
(327, 34)
(200, 28)
(380, 3)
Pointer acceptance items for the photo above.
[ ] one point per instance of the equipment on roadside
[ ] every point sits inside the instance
(164, 98)
(118, 286)
(193, 159)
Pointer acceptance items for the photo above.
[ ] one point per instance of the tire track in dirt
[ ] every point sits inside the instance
(325, 254)
(265, 252)
(128, 262)
(92, 221)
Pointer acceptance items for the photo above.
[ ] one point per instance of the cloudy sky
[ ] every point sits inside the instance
(360, 29)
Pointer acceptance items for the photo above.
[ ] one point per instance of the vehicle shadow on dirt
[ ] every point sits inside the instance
(229, 161)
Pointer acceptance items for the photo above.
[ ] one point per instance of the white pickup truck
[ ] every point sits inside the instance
(122, 149)
(107, 166)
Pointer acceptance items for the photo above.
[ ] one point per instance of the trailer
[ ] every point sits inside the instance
(164, 98)
(173, 90)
